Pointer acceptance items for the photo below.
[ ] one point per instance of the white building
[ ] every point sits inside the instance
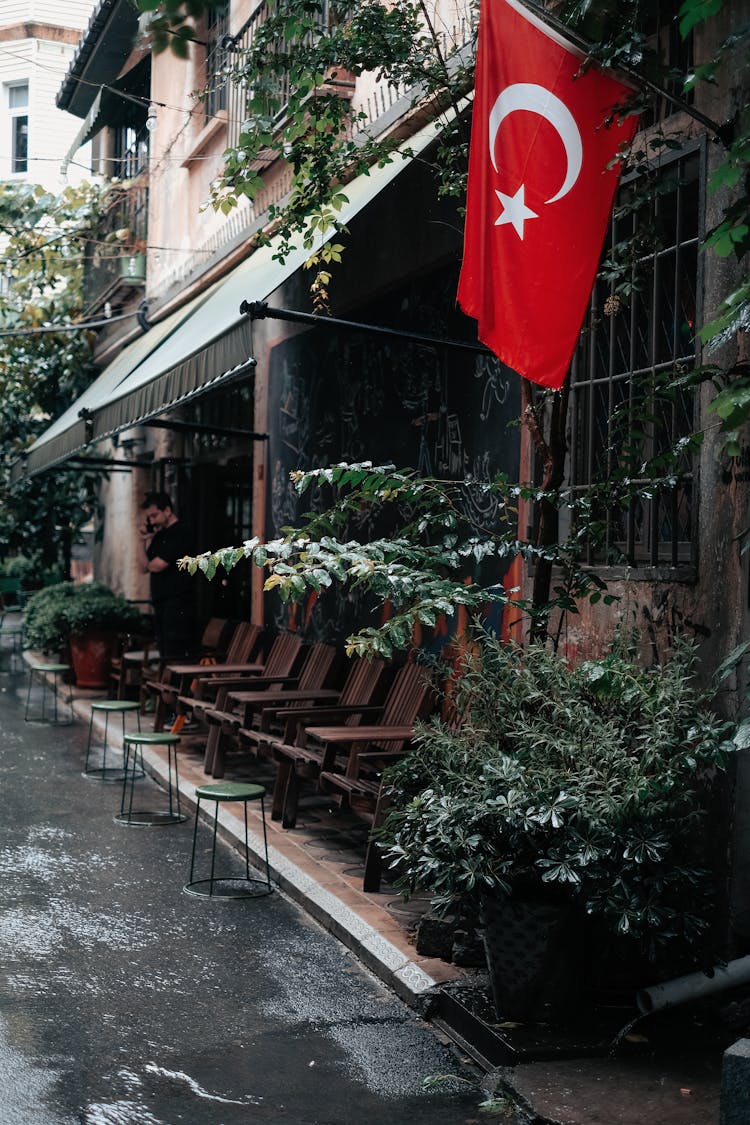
(38, 39)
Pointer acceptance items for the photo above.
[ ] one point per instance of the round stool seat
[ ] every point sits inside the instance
(230, 791)
(153, 738)
(50, 667)
(108, 707)
(115, 705)
(229, 885)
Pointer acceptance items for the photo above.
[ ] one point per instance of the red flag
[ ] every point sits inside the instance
(540, 192)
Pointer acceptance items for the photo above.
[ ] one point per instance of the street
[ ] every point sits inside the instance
(124, 1001)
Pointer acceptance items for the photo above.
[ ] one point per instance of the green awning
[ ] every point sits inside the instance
(204, 344)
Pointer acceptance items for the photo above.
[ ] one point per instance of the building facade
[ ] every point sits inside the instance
(37, 43)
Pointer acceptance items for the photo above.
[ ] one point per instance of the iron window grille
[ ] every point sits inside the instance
(625, 408)
(130, 151)
(240, 92)
(217, 57)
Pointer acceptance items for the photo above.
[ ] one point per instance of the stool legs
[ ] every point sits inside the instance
(133, 769)
(172, 751)
(43, 716)
(252, 888)
(265, 840)
(128, 782)
(105, 772)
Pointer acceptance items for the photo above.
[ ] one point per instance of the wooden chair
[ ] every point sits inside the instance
(175, 678)
(281, 661)
(280, 668)
(139, 662)
(361, 787)
(361, 694)
(315, 678)
(319, 749)
(12, 595)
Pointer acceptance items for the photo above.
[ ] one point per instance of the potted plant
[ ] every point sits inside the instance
(564, 801)
(85, 619)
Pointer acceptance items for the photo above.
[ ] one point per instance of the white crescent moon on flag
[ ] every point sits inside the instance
(535, 99)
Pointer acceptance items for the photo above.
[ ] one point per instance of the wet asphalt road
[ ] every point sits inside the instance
(124, 1001)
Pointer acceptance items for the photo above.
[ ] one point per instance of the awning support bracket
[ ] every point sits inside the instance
(200, 428)
(260, 310)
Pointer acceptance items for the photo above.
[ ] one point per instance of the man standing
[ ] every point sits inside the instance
(163, 539)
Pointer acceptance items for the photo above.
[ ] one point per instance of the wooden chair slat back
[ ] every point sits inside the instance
(244, 642)
(282, 655)
(319, 664)
(410, 696)
(366, 680)
(213, 632)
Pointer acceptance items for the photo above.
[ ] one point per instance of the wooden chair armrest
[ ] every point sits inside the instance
(361, 734)
(296, 717)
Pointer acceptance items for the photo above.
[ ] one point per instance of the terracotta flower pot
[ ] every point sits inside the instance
(91, 654)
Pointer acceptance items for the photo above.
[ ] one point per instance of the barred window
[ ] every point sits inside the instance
(217, 33)
(130, 150)
(625, 409)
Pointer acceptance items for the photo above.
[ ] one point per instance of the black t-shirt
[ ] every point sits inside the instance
(170, 544)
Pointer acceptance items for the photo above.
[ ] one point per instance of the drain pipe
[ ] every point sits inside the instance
(693, 986)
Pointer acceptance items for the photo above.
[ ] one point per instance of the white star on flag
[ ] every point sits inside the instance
(514, 211)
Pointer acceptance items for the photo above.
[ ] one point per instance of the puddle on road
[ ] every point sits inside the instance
(26, 1088)
(180, 1076)
(118, 1113)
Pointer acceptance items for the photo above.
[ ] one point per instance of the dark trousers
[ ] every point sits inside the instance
(174, 628)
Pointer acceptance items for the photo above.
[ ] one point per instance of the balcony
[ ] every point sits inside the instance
(116, 254)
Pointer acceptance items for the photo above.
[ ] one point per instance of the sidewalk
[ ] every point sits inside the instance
(666, 1073)
(319, 864)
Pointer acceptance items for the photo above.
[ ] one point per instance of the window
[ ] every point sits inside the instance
(18, 110)
(130, 151)
(217, 32)
(274, 90)
(625, 409)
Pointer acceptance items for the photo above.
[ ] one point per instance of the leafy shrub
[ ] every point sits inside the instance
(55, 612)
(29, 571)
(590, 784)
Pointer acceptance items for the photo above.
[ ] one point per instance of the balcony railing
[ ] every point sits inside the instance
(239, 92)
(117, 256)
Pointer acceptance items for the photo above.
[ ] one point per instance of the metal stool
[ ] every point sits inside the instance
(44, 670)
(133, 748)
(14, 634)
(235, 886)
(109, 707)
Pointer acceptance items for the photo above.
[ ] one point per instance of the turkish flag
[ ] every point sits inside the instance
(540, 191)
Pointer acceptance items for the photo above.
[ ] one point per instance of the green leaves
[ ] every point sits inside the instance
(41, 375)
(589, 784)
(55, 612)
(694, 12)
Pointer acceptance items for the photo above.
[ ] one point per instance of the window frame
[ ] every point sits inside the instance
(18, 116)
(217, 29)
(654, 557)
